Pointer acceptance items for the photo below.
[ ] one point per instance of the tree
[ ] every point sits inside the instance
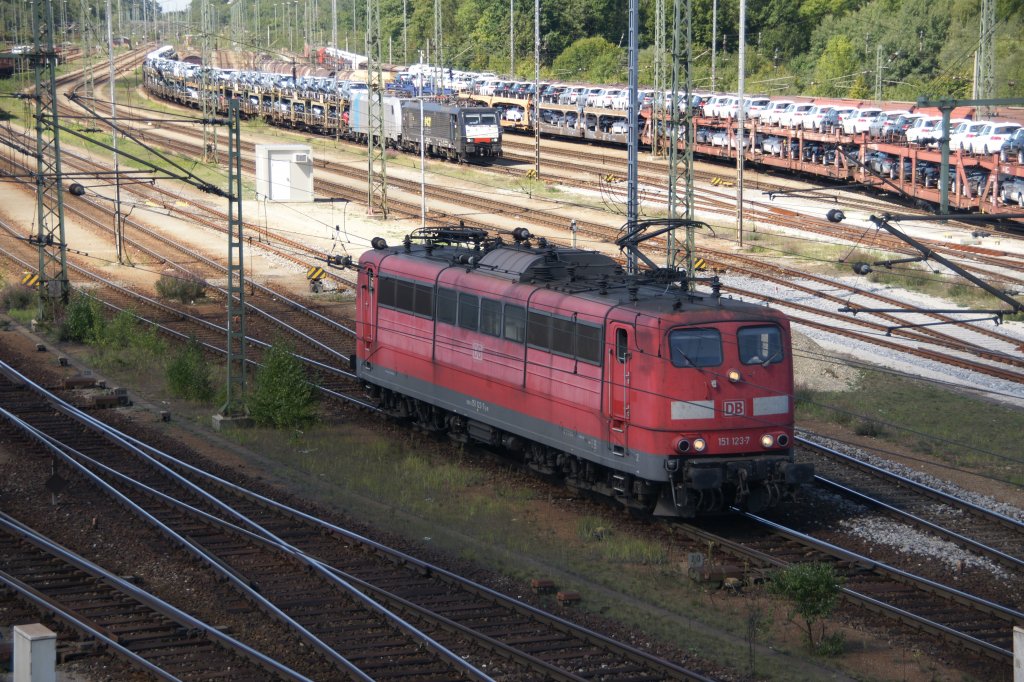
(813, 588)
(282, 397)
(835, 67)
(590, 59)
(859, 89)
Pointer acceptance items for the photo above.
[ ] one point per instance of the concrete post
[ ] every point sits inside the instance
(35, 653)
(1018, 654)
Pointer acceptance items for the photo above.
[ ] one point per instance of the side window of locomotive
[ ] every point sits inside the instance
(424, 301)
(760, 345)
(695, 347)
(538, 331)
(409, 297)
(563, 339)
(386, 292)
(490, 317)
(621, 344)
(515, 323)
(588, 343)
(404, 293)
(469, 311)
(447, 305)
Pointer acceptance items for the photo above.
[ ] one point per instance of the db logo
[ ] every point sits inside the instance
(732, 408)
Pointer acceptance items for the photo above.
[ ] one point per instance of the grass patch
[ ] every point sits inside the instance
(185, 289)
(20, 302)
(949, 426)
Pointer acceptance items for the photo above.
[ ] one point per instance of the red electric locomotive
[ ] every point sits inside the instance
(634, 386)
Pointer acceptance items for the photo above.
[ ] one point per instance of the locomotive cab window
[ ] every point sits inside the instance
(406, 292)
(760, 345)
(479, 118)
(695, 347)
(386, 294)
(621, 345)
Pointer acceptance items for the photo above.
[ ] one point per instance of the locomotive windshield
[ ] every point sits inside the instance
(481, 118)
(695, 347)
(760, 345)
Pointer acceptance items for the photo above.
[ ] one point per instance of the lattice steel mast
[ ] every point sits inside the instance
(377, 166)
(208, 98)
(986, 81)
(657, 106)
(88, 41)
(234, 404)
(632, 190)
(54, 287)
(681, 164)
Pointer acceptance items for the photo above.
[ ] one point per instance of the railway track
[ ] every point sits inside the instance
(754, 268)
(416, 212)
(143, 629)
(207, 326)
(972, 527)
(714, 200)
(614, 163)
(959, 619)
(244, 533)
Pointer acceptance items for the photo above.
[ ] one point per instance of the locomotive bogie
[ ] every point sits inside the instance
(664, 402)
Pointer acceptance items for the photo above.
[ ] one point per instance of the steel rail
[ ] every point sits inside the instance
(216, 329)
(1015, 562)
(258, 534)
(255, 532)
(19, 529)
(1011, 616)
(211, 560)
(404, 558)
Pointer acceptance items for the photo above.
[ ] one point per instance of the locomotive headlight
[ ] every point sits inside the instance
(699, 444)
(767, 440)
(734, 375)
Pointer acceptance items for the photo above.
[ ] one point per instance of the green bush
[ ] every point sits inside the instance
(124, 342)
(813, 589)
(871, 429)
(17, 297)
(282, 396)
(188, 374)
(185, 289)
(82, 320)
